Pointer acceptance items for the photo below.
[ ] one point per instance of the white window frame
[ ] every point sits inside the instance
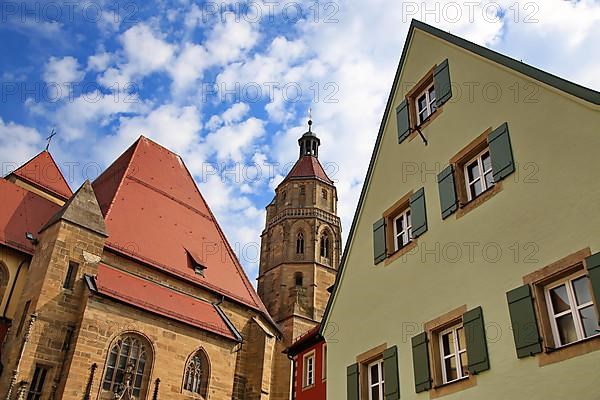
(406, 228)
(574, 308)
(430, 106)
(457, 352)
(479, 160)
(308, 369)
(380, 385)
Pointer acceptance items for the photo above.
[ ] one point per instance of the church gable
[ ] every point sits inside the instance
(156, 214)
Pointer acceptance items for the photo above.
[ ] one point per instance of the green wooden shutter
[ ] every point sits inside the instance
(477, 352)
(352, 382)
(418, 213)
(402, 121)
(379, 244)
(420, 355)
(593, 266)
(441, 83)
(524, 323)
(447, 189)
(392, 379)
(503, 163)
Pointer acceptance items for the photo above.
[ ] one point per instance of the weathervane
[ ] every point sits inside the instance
(49, 138)
(309, 119)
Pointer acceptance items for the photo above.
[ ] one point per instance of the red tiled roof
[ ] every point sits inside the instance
(22, 211)
(42, 171)
(160, 300)
(308, 167)
(154, 212)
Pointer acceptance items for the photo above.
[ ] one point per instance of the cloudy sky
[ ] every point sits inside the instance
(227, 84)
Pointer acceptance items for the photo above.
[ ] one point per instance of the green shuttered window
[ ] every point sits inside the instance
(392, 379)
(442, 83)
(418, 213)
(420, 354)
(523, 320)
(477, 352)
(379, 243)
(352, 392)
(403, 121)
(447, 191)
(593, 266)
(503, 163)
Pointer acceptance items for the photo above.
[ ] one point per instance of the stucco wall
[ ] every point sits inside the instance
(547, 210)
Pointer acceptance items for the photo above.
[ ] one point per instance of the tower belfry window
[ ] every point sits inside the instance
(325, 245)
(300, 243)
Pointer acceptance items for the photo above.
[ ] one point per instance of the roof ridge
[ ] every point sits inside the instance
(135, 147)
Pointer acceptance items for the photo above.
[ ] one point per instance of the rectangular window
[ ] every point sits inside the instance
(23, 316)
(425, 103)
(478, 174)
(37, 383)
(309, 369)
(376, 380)
(453, 354)
(71, 275)
(571, 310)
(402, 230)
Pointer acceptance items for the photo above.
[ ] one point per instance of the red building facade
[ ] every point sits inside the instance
(309, 354)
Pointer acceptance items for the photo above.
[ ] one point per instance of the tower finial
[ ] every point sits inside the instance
(310, 119)
(49, 138)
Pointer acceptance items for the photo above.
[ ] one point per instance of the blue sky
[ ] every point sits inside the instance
(227, 84)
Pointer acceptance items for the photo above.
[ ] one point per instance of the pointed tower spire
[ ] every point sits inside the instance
(309, 142)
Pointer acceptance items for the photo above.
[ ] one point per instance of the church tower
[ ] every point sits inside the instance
(300, 253)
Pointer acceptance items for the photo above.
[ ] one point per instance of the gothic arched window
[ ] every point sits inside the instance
(128, 366)
(325, 245)
(300, 243)
(197, 371)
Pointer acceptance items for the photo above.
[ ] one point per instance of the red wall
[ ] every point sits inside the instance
(318, 391)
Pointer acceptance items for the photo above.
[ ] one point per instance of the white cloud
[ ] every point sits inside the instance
(232, 141)
(188, 67)
(60, 75)
(99, 62)
(18, 143)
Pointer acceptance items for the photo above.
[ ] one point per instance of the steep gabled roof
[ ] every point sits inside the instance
(22, 211)
(308, 167)
(155, 214)
(539, 75)
(43, 172)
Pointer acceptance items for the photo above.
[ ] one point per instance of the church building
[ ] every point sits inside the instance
(128, 288)
(300, 254)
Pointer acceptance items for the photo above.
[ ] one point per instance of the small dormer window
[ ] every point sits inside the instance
(196, 263)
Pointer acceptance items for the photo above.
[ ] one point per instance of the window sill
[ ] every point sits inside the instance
(479, 200)
(308, 387)
(400, 252)
(424, 124)
(571, 350)
(453, 387)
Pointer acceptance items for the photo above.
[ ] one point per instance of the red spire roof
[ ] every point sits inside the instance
(155, 213)
(43, 172)
(308, 167)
